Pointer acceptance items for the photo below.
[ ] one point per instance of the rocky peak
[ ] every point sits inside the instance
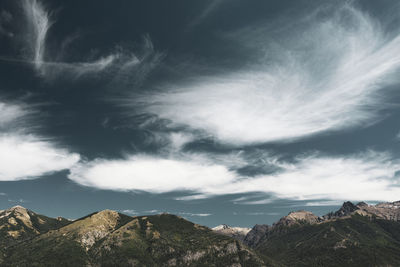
(17, 208)
(362, 204)
(235, 232)
(298, 217)
(18, 223)
(387, 210)
(88, 230)
(347, 209)
(256, 234)
(221, 227)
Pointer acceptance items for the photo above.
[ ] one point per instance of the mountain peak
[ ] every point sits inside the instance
(296, 217)
(221, 227)
(17, 208)
(19, 223)
(236, 232)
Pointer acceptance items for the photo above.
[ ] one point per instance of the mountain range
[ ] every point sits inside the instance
(354, 235)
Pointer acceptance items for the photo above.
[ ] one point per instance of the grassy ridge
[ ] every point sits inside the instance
(355, 241)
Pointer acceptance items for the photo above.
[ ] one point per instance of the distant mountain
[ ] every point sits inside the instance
(355, 235)
(18, 224)
(108, 238)
(238, 233)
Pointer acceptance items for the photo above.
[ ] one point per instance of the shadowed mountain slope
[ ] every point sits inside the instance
(355, 235)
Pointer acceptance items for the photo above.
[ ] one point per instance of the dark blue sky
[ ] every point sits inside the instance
(221, 111)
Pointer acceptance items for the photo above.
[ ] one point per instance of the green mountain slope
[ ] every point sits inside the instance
(109, 238)
(355, 241)
(359, 235)
(18, 224)
(355, 235)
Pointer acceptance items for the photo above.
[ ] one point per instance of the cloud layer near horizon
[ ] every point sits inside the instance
(368, 176)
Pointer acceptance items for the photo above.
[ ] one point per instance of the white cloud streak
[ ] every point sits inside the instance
(118, 63)
(10, 113)
(326, 74)
(323, 203)
(151, 174)
(194, 214)
(27, 156)
(366, 176)
(205, 13)
(39, 22)
(5, 19)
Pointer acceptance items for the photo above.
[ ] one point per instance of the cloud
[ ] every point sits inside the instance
(211, 7)
(194, 214)
(192, 197)
(10, 113)
(23, 155)
(256, 202)
(130, 212)
(323, 203)
(5, 19)
(121, 64)
(39, 23)
(365, 176)
(327, 73)
(18, 200)
(150, 174)
(151, 211)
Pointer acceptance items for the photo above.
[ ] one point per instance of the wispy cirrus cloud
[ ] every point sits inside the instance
(5, 19)
(328, 71)
(119, 64)
(194, 214)
(323, 203)
(211, 7)
(39, 22)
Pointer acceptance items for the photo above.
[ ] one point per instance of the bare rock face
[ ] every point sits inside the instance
(19, 223)
(238, 233)
(386, 211)
(95, 227)
(298, 217)
(256, 234)
(346, 210)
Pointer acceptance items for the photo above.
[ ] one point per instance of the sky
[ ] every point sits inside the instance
(220, 111)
